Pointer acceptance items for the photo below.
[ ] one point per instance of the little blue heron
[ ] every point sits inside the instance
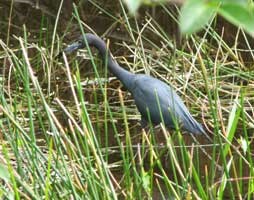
(156, 101)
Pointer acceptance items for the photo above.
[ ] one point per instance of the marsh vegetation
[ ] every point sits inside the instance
(69, 130)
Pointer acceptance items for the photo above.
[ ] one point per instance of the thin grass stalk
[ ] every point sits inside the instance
(53, 44)
(93, 144)
(215, 121)
(166, 179)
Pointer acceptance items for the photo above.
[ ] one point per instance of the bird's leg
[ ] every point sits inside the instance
(148, 128)
(145, 129)
(143, 123)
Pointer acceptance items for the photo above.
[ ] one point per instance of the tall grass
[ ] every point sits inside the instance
(66, 136)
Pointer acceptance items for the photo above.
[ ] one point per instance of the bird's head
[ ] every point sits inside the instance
(91, 39)
(79, 44)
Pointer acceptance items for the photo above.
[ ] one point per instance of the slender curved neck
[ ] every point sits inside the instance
(123, 75)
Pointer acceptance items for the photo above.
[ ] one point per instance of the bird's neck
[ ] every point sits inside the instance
(126, 77)
(123, 75)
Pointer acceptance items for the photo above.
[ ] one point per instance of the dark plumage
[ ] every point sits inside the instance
(148, 92)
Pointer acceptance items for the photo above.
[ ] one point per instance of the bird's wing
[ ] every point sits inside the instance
(149, 92)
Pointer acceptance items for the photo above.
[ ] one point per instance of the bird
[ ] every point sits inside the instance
(156, 101)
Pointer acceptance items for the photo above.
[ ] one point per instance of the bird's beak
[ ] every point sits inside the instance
(73, 47)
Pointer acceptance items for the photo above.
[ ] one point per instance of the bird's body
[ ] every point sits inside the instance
(156, 101)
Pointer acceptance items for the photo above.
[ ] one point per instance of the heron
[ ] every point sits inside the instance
(156, 101)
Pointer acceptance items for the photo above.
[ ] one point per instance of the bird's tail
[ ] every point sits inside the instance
(196, 128)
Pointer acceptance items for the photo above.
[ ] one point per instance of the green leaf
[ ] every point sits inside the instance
(133, 5)
(195, 14)
(239, 15)
(243, 2)
(244, 145)
(146, 181)
(224, 180)
(4, 174)
(232, 125)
